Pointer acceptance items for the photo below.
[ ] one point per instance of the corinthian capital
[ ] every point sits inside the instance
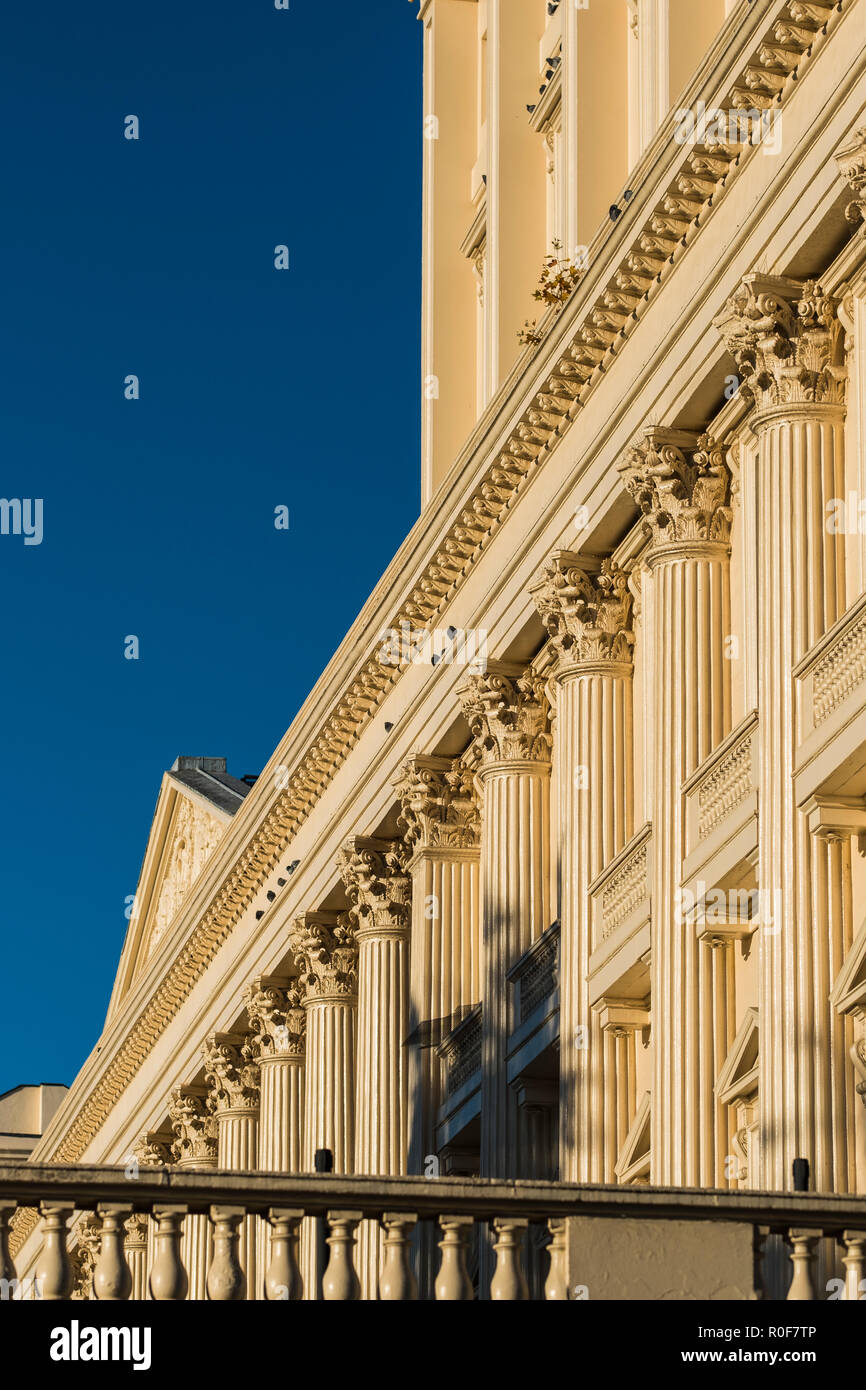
(787, 341)
(88, 1232)
(277, 1020)
(233, 1076)
(507, 711)
(152, 1150)
(194, 1126)
(682, 485)
(326, 953)
(377, 885)
(439, 808)
(585, 607)
(851, 159)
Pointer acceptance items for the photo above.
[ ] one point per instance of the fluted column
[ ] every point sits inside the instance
(682, 486)
(326, 953)
(151, 1150)
(234, 1094)
(507, 712)
(787, 342)
(586, 607)
(379, 890)
(441, 821)
(278, 1044)
(196, 1146)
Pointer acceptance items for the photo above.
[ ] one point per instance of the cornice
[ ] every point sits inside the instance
(627, 268)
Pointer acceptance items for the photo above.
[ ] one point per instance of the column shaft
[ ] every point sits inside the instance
(238, 1151)
(804, 1090)
(692, 700)
(515, 910)
(594, 722)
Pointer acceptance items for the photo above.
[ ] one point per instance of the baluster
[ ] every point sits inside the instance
(397, 1283)
(556, 1283)
(340, 1282)
(854, 1261)
(283, 1279)
(168, 1281)
(226, 1281)
(453, 1283)
(802, 1258)
(7, 1268)
(112, 1277)
(54, 1269)
(508, 1280)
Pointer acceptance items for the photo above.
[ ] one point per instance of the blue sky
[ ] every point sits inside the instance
(258, 388)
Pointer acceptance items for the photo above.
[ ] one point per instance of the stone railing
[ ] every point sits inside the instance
(723, 783)
(460, 1051)
(832, 672)
(571, 1212)
(623, 887)
(721, 799)
(536, 975)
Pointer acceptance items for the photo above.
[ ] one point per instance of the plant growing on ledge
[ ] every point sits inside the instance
(560, 275)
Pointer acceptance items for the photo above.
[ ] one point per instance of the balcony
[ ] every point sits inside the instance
(460, 1054)
(604, 1242)
(722, 812)
(831, 712)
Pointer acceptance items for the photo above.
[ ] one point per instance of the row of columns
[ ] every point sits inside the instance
(326, 1064)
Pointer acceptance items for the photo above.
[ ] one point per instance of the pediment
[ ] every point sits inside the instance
(192, 812)
(738, 1077)
(633, 1164)
(848, 994)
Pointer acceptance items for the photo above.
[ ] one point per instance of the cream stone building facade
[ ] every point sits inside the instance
(559, 875)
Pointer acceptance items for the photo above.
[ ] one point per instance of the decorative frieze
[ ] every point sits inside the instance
(508, 713)
(326, 952)
(231, 1072)
(439, 804)
(277, 1019)
(195, 1126)
(787, 341)
(682, 484)
(586, 608)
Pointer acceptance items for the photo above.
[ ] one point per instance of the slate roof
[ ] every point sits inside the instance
(208, 777)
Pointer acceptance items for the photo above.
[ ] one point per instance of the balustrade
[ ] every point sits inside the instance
(395, 1205)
